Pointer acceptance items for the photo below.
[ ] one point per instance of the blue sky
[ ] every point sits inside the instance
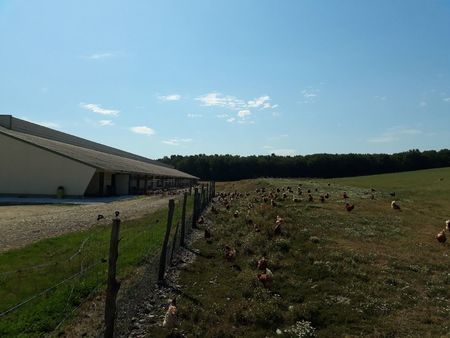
(242, 77)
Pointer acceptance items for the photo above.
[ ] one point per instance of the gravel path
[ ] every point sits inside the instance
(21, 225)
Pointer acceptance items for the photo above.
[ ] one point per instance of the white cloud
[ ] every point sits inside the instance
(244, 113)
(218, 99)
(261, 102)
(279, 137)
(105, 123)
(232, 102)
(446, 99)
(142, 130)
(231, 120)
(245, 122)
(171, 97)
(395, 134)
(194, 115)
(381, 98)
(310, 95)
(177, 141)
(98, 56)
(96, 108)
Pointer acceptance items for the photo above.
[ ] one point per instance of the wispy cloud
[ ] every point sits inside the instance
(222, 116)
(194, 115)
(105, 123)
(171, 97)
(244, 113)
(309, 95)
(220, 100)
(98, 56)
(96, 108)
(231, 120)
(177, 141)
(395, 134)
(446, 99)
(278, 137)
(234, 103)
(381, 98)
(142, 130)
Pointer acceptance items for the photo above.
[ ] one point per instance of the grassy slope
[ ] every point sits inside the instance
(374, 272)
(27, 271)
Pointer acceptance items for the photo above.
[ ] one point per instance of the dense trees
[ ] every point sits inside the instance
(229, 167)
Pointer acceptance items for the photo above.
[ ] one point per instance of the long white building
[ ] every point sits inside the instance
(36, 161)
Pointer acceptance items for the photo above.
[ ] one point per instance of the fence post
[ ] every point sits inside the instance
(174, 242)
(113, 284)
(203, 198)
(162, 260)
(183, 220)
(195, 209)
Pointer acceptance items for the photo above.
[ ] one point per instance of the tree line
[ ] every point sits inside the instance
(233, 167)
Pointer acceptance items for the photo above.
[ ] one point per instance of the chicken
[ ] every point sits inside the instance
(262, 264)
(310, 198)
(345, 196)
(392, 194)
(441, 236)
(349, 207)
(278, 223)
(273, 203)
(117, 213)
(256, 228)
(99, 217)
(236, 214)
(395, 205)
(201, 220)
(266, 278)
(170, 318)
(327, 195)
(230, 253)
(322, 198)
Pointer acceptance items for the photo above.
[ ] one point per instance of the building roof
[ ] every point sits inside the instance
(31, 128)
(97, 159)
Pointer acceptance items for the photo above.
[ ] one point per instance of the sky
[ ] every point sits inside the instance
(158, 78)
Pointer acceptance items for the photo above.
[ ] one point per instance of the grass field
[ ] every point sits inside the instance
(78, 260)
(372, 272)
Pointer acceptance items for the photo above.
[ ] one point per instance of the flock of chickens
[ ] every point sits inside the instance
(272, 198)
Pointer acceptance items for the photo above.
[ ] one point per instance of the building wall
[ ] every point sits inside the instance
(29, 170)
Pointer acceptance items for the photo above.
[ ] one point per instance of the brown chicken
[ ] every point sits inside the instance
(441, 236)
(266, 278)
(262, 264)
(349, 207)
(230, 253)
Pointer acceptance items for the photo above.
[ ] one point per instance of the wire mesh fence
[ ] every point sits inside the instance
(42, 285)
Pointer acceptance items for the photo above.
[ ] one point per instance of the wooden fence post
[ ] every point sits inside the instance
(174, 242)
(113, 284)
(183, 220)
(195, 209)
(162, 259)
(203, 198)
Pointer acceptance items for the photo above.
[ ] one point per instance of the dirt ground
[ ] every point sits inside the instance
(24, 224)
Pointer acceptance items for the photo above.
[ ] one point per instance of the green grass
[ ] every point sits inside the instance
(373, 272)
(30, 270)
